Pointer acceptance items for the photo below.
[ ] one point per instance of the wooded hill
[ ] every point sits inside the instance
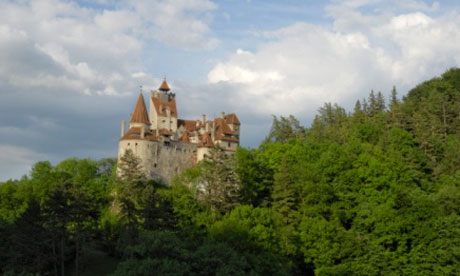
(375, 191)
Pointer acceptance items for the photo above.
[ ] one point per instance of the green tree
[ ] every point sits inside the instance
(129, 188)
(284, 206)
(284, 129)
(219, 184)
(256, 178)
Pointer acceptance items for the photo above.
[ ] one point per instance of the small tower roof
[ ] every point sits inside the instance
(164, 86)
(140, 112)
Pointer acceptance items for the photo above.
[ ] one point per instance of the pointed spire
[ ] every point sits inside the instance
(140, 112)
(164, 86)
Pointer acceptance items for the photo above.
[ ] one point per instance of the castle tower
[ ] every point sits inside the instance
(167, 145)
(139, 118)
(163, 110)
(164, 87)
(138, 138)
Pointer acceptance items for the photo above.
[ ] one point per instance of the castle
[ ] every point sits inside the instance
(167, 145)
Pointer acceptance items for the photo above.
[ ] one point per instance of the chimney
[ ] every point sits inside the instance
(168, 114)
(204, 118)
(122, 128)
(222, 115)
(142, 133)
(213, 133)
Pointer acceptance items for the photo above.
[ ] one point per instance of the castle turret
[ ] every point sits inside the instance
(139, 118)
(164, 87)
(163, 110)
(167, 145)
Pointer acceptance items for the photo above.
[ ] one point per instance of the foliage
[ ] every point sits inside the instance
(372, 192)
(218, 183)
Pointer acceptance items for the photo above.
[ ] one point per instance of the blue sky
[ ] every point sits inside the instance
(70, 70)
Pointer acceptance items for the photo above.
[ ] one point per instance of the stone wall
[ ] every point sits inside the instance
(171, 159)
(161, 160)
(227, 145)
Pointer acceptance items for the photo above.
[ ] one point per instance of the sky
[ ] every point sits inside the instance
(70, 71)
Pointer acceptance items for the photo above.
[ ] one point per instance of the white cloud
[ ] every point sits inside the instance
(178, 23)
(16, 161)
(419, 5)
(64, 46)
(304, 65)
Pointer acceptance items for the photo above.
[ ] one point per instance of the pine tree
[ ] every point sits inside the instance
(130, 168)
(284, 129)
(129, 188)
(380, 105)
(372, 104)
(365, 107)
(283, 193)
(219, 184)
(394, 107)
(357, 108)
(358, 113)
(284, 205)
(394, 97)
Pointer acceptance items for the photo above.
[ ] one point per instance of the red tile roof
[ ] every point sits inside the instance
(189, 125)
(140, 112)
(165, 131)
(232, 139)
(164, 86)
(232, 119)
(206, 141)
(185, 138)
(134, 133)
(162, 106)
(222, 126)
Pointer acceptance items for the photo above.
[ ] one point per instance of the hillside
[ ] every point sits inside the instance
(373, 191)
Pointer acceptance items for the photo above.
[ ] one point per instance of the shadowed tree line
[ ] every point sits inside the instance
(375, 191)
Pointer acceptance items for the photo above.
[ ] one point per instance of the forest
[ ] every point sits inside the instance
(370, 191)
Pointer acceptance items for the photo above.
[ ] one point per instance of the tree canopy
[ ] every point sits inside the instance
(373, 191)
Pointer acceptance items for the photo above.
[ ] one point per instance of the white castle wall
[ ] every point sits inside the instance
(161, 160)
(227, 145)
(161, 122)
(202, 153)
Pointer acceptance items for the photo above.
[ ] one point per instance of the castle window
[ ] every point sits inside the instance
(166, 143)
(128, 144)
(155, 165)
(164, 121)
(136, 144)
(228, 144)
